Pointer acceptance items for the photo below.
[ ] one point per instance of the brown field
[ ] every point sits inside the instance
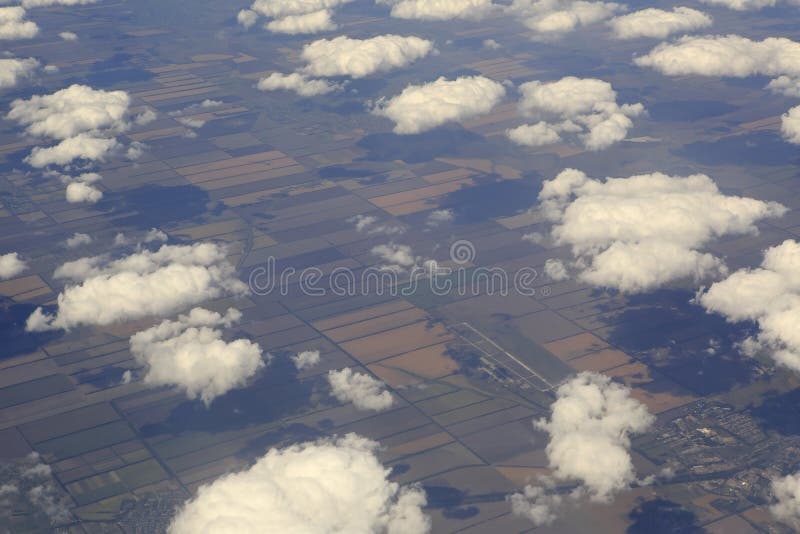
(576, 346)
(731, 525)
(429, 362)
(448, 176)
(398, 341)
(379, 324)
(414, 196)
(394, 377)
(361, 315)
(600, 361)
(656, 392)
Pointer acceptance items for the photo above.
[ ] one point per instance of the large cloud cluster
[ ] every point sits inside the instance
(83, 119)
(365, 392)
(554, 18)
(357, 58)
(14, 26)
(658, 23)
(590, 425)
(292, 16)
(724, 55)
(639, 233)
(332, 486)
(768, 295)
(786, 507)
(11, 265)
(143, 284)
(14, 70)
(590, 428)
(71, 111)
(735, 56)
(419, 108)
(583, 107)
(191, 354)
(439, 9)
(343, 56)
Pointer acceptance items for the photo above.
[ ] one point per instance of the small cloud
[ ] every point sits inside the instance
(555, 270)
(78, 240)
(191, 354)
(438, 217)
(365, 392)
(306, 359)
(11, 265)
(420, 108)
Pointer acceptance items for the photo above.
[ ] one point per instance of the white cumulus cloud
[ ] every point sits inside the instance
(11, 265)
(419, 108)
(357, 58)
(786, 507)
(538, 504)
(306, 359)
(283, 8)
(247, 17)
(724, 55)
(769, 296)
(44, 3)
(639, 233)
(83, 119)
(191, 353)
(78, 240)
(84, 146)
(315, 22)
(582, 107)
(535, 135)
(439, 9)
(78, 192)
(554, 18)
(299, 83)
(365, 392)
(292, 16)
(14, 26)
(332, 485)
(785, 85)
(555, 270)
(71, 111)
(742, 5)
(658, 23)
(790, 125)
(439, 217)
(590, 426)
(369, 225)
(395, 256)
(140, 285)
(12, 71)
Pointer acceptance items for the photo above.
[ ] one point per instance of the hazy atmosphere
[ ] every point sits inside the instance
(399, 266)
